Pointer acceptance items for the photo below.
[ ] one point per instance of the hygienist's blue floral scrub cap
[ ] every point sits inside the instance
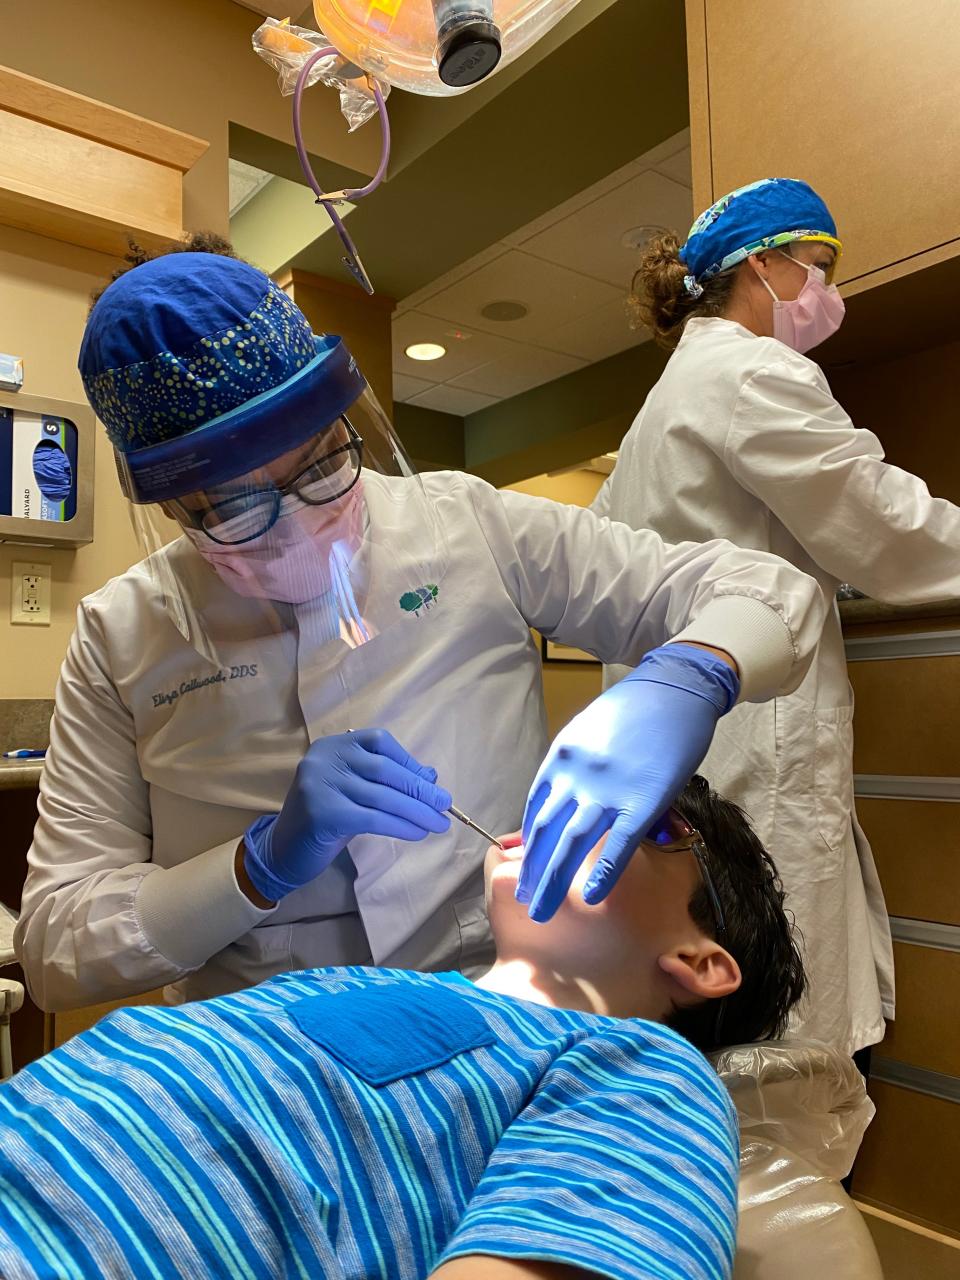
(761, 215)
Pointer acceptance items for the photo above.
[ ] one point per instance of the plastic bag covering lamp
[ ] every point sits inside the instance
(436, 47)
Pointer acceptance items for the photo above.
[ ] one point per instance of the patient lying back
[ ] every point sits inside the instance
(377, 1123)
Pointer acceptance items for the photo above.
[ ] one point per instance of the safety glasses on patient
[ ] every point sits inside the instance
(672, 833)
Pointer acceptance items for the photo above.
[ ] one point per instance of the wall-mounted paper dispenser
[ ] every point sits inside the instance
(46, 471)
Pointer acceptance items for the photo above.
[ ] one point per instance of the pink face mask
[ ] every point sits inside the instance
(812, 316)
(292, 561)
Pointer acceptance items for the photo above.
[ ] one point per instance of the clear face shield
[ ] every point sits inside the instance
(293, 512)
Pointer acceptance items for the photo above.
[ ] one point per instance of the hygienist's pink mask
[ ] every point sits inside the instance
(292, 561)
(812, 316)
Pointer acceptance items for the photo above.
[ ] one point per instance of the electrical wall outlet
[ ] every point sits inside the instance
(30, 594)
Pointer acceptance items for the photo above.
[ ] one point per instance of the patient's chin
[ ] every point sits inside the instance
(506, 914)
(504, 875)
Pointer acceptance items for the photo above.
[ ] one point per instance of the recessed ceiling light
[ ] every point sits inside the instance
(505, 310)
(426, 351)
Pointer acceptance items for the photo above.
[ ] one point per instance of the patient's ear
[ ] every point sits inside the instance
(704, 970)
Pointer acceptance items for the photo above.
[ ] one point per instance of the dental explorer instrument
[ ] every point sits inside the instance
(468, 822)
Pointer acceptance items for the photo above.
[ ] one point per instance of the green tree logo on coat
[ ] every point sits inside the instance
(422, 598)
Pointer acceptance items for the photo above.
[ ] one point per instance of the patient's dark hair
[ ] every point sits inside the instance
(758, 933)
(193, 242)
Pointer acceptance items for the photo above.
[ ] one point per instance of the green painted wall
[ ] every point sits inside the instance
(557, 425)
(433, 440)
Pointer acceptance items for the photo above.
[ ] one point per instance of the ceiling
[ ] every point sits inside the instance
(245, 182)
(570, 268)
(519, 192)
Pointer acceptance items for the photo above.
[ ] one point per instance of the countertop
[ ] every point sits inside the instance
(853, 612)
(19, 773)
(24, 722)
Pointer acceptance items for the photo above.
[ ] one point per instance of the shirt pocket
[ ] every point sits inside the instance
(833, 776)
(390, 1030)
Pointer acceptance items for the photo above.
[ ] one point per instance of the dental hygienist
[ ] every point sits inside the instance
(257, 723)
(742, 439)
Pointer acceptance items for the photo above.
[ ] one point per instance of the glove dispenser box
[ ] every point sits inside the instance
(46, 471)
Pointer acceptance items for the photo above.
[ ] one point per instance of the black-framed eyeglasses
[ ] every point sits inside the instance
(251, 513)
(674, 834)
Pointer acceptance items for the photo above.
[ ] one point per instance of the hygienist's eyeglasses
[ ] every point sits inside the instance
(250, 513)
(827, 268)
(674, 834)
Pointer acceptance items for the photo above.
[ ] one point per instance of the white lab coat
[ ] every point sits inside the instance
(144, 797)
(742, 439)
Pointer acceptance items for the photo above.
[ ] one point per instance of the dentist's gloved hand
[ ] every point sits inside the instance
(357, 783)
(617, 767)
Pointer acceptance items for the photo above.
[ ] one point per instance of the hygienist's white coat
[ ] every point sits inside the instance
(741, 438)
(145, 795)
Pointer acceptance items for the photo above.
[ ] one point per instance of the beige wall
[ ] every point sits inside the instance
(185, 63)
(579, 488)
(45, 288)
(567, 688)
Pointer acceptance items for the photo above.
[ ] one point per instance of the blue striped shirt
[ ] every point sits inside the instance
(306, 1128)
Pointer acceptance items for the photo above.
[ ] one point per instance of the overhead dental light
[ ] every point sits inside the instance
(436, 47)
(433, 47)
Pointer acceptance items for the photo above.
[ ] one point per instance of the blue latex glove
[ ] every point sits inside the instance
(52, 471)
(617, 767)
(357, 783)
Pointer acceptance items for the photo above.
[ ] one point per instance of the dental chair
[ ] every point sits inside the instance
(11, 991)
(803, 1109)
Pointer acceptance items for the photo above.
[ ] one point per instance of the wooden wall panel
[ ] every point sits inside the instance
(917, 847)
(926, 1032)
(910, 1158)
(698, 81)
(907, 715)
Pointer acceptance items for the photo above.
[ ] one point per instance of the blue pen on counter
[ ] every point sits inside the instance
(25, 754)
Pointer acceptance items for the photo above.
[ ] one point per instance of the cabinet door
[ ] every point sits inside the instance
(861, 99)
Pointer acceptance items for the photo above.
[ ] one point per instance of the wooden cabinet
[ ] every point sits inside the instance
(18, 816)
(906, 681)
(915, 844)
(908, 709)
(861, 100)
(910, 1158)
(85, 172)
